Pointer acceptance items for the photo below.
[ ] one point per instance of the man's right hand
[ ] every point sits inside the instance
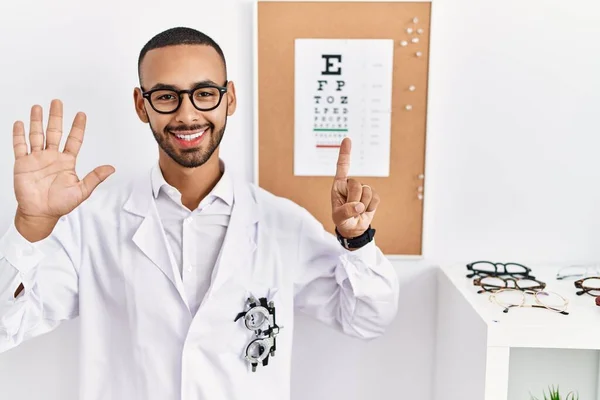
(46, 184)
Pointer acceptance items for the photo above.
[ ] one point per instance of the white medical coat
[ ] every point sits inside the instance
(107, 263)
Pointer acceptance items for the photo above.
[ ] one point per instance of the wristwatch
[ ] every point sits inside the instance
(358, 241)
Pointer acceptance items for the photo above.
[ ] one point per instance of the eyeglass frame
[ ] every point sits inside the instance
(590, 271)
(481, 273)
(585, 289)
(535, 294)
(222, 90)
(477, 282)
(266, 333)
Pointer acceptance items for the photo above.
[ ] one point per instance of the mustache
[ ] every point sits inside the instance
(186, 128)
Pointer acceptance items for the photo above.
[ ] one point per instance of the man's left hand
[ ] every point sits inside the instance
(353, 204)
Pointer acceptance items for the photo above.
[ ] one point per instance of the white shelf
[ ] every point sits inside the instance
(533, 327)
(475, 337)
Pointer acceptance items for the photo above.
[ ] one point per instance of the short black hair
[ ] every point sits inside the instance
(178, 36)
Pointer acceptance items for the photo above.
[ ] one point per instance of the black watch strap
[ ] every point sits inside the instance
(356, 242)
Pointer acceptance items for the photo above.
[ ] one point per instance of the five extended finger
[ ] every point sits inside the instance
(36, 129)
(94, 178)
(55, 123)
(19, 141)
(75, 138)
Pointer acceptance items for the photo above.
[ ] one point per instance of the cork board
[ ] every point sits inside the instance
(399, 218)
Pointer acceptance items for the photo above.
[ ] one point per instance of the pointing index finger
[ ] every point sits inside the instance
(343, 163)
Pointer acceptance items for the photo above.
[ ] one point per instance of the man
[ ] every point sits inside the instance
(185, 281)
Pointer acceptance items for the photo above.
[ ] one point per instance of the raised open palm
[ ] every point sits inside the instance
(46, 184)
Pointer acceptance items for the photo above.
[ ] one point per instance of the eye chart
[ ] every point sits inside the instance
(343, 88)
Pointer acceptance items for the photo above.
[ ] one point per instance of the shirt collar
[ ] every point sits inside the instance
(222, 190)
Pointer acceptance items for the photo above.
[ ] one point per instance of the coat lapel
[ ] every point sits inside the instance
(149, 236)
(237, 249)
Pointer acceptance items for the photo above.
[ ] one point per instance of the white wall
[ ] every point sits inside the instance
(86, 55)
(511, 163)
(513, 131)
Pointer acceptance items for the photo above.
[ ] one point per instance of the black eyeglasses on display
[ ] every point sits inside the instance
(488, 268)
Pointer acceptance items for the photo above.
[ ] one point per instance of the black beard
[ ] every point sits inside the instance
(190, 158)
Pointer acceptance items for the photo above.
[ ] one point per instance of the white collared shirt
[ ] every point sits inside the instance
(194, 238)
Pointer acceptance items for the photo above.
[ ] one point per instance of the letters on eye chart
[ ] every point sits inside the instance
(343, 87)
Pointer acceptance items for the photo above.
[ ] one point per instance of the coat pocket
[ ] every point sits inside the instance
(254, 335)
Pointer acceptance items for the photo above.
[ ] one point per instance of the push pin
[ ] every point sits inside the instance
(409, 30)
(415, 20)
(420, 31)
(412, 88)
(415, 40)
(418, 54)
(408, 107)
(404, 43)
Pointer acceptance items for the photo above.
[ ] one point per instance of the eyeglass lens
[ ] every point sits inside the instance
(551, 300)
(578, 271)
(493, 282)
(256, 349)
(592, 286)
(516, 298)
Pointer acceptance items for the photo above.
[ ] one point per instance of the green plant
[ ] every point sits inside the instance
(554, 394)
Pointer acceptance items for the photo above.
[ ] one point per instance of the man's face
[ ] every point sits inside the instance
(188, 136)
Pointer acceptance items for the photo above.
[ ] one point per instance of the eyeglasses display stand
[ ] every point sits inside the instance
(478, 344)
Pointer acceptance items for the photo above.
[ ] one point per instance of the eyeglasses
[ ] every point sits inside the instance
(509, 298)
(578, 271)
(260, 318)
(494, 283)
(589, 285)
(203, 97)
(488, 268)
